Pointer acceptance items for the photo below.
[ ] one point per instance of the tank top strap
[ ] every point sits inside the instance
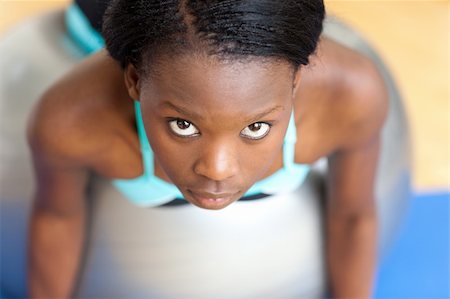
(81, 30)
(147, 153)
(289, 143)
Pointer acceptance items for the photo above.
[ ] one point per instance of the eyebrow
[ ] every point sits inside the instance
(193, 115)
(181, 110)
(263, 113)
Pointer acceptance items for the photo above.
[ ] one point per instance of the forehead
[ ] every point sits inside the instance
(207, 83)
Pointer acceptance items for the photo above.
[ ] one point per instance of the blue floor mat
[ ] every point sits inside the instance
(417, 265)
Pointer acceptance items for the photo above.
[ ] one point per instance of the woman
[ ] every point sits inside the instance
(211, 102)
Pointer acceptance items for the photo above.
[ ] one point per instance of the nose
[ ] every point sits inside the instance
(217, 162)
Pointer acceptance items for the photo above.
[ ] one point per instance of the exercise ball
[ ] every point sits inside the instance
(267, 248)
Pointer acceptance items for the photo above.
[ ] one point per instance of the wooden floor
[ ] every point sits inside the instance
(413, 39)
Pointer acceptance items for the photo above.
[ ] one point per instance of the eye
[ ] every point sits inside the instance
(256, 130)
(183, 128)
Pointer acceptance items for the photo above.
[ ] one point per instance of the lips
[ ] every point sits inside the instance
(212, 195)
(213, 200)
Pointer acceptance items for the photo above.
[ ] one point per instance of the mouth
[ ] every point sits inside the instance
(212, 201)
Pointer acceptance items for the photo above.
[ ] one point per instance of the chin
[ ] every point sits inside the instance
(212, 204)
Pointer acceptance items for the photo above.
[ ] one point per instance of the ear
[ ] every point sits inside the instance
(132, 82)
(296, 83)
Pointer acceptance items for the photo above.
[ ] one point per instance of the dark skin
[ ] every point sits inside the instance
(85, 123)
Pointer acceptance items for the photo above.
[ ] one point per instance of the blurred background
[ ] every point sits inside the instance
(413, 39)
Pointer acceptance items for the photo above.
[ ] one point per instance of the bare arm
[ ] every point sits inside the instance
(351, 218)
(57, 223)
(351, 223)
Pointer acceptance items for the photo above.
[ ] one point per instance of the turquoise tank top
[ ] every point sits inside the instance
(149, 190)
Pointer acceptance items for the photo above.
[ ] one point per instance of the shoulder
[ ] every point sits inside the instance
(57, 128)
(69, 117)
(359, 102)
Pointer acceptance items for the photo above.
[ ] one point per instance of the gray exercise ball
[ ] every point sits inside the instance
(268, 248)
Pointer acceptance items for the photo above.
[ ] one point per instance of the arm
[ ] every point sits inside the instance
(351, 219)
(58, 217)
(351, 223)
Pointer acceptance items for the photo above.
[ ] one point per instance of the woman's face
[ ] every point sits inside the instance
(215, 128)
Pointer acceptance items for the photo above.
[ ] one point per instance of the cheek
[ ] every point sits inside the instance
(174, 158)
(256, 160)
(266, 159)
(267, 155)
